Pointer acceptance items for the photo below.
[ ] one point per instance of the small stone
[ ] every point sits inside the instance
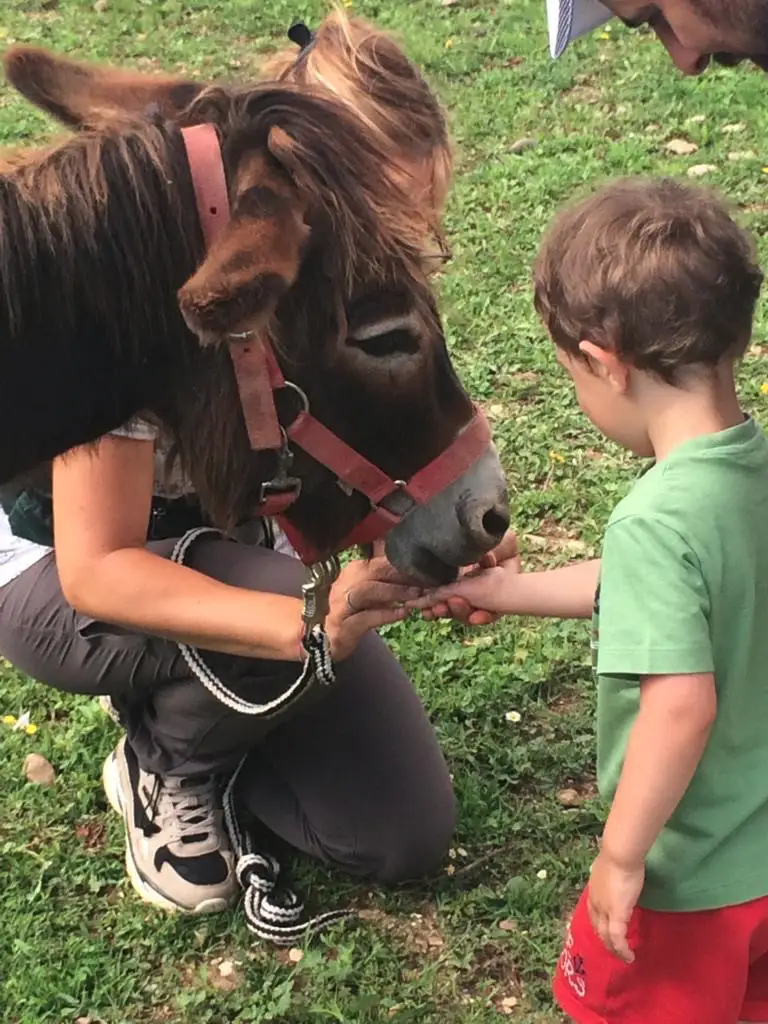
(226, 968)
(699, 170)
(84, 1020)
(508, 925)
(101, 6)
(569, 798)
(743, 154)
(38, 770)
(507, 1005)
(295, 955)
(449, 3)
(730, 129)
(681, 147)
(521, 145)
(698, 119)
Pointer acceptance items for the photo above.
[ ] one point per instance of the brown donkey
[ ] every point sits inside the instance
(110, 305)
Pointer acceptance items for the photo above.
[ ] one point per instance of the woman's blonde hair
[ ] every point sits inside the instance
(366, 68)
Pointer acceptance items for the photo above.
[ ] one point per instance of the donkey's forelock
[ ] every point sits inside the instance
(347, 178)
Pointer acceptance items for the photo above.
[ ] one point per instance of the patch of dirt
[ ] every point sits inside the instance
(577, 792)
(92, 834)
(582, 93)
(222, 973)
(492, 975)
(565, 703)
(418, 932)
(552, 538)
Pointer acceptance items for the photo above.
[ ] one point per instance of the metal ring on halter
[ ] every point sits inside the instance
(241, 335)
(297, 391)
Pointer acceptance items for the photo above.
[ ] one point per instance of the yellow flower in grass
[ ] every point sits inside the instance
(556, 457)
(30, 729)
(448, 44)
(764, 388)
(9, 720)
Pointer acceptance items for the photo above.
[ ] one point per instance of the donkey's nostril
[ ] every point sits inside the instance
(495, 523)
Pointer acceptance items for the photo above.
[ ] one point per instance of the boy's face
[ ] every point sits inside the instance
(602, 383)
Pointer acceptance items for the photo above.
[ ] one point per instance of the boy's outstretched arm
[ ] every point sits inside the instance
(565, 593)
(666, 743)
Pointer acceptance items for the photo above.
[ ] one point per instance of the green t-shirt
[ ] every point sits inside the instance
(684, 589)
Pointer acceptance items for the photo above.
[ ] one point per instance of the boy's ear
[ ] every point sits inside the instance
(606, 364)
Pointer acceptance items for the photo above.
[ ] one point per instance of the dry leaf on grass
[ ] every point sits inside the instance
(698, 170)
(39, 770)
(681, 147)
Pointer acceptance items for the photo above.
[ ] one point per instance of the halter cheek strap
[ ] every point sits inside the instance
(255, 382)
(259, 376)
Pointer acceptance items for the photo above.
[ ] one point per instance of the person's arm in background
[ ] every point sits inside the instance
(102, 497)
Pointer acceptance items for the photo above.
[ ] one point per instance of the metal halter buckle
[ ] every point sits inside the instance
(281, 482)
(316, 591)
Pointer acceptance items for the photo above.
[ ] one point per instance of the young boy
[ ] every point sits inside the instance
(648, 290)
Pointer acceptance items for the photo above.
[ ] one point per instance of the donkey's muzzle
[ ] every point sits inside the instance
(456, 527)
(485, 524)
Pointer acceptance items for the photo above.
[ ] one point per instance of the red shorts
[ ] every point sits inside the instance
(703, 967)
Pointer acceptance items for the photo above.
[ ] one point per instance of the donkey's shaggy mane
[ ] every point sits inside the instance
(98, 234)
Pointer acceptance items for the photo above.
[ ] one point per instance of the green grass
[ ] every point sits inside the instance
(73, 939)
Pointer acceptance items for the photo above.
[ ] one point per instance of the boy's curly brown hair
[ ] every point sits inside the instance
(655, 270)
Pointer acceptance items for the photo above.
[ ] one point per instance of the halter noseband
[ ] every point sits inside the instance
(259, 376)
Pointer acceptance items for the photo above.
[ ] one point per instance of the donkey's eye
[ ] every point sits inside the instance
(393, 337)
(391, 343)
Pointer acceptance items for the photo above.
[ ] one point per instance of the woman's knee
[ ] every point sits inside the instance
(418, 845)
(401, 846)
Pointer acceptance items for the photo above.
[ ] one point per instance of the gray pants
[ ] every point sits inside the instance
(356, 779)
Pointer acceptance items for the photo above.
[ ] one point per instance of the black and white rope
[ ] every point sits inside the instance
(273, 911)
(318, 667)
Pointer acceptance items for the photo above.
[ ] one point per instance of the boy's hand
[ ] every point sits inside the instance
(612, 896)
(450, 605)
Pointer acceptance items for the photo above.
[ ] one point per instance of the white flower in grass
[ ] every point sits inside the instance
(541, 875)
(513, 716)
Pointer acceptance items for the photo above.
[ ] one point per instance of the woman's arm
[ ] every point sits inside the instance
(101, 499)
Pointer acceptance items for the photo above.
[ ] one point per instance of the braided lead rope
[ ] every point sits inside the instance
(273, 912)
(317, 667)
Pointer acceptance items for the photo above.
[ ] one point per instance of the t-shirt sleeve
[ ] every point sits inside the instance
(654, 606)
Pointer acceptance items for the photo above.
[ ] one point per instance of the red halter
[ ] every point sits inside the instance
(259, 376)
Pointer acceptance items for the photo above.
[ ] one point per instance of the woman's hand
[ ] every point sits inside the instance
(507, 554)
(367, 595)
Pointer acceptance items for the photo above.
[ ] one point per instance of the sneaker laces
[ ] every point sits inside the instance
(187, 808)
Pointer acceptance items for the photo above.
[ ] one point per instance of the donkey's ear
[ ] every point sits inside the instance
(254, 260)
(92, 95)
